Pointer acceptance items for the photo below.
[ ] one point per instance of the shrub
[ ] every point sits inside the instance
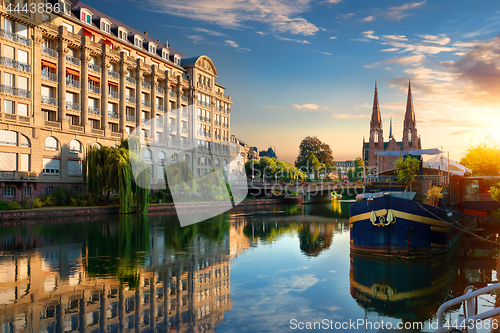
(4, 205)
(37, 203)
(14, 206)
(47, 201)
(73, 202)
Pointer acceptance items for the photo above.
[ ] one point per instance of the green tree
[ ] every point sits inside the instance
(495, 192)
(320, 149)
(407, 169)
(311, 164)
(482, 159)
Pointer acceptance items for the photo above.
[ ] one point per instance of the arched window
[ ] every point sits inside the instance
(51, 143)
(8, 138)
(174, 157)
(409, 136)
(96, 145)
(8, 191)
(161, 156)
(375, 136)
(209, 162)
(217, 163)
(25, 142)
(186, 158)
(75, 147)
(199, 160)
(148, 155)
(224, 163)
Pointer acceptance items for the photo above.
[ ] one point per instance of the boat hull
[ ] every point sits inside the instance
(389, 225)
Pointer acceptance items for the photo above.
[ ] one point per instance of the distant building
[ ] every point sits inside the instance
(268, 153)
(345, 166)
(411, 140)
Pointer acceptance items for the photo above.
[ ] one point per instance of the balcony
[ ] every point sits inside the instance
(130, 118)
(146, 104)
(113, 115)
(217, 108)
(73, 106)
(146, 85)
(73, 83)
(17, 175)
(73, 60)
(160, 125)
(50, 52)
(225, 125)
(172, 94)
(225, 111)
(114, 74)
(95, 68)
(114, 94)
(95, 111)
(217, 123)
(184, 130)
(130, 79)
(184, 98)
(130, 99)
(173, 129)
(15, 64)
(160, 90)
(15, 37)
(49, 100)
(49, 76)
(160, 107)
(94, 89)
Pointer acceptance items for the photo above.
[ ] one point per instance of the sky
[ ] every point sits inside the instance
(297, 68)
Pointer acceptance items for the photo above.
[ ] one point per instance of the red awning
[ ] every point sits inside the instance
(87, 33)
(107, 42)
(111, 83)
(49, 64)
(72, 72)
(95, 79)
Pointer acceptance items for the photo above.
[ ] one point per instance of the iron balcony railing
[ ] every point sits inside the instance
(146, 104)
(114, 94)
(49, 100)
(130, 118)
(94, 89)
(130, 99)
(217, 108)
(73, 106)
(22, 92)
(160, 90)
(225, 125)
(95, 68)
(15, 64)
(113, 115)
(146, 85)
(73, 83)
(50, 52)
(217, 123)
(73, 60)
(172, 94)
(160, 107)
(130, 79)
(94, 111)
(173, 129)
(114, 74)
(49, 76)
(184, 98)
(15, 37)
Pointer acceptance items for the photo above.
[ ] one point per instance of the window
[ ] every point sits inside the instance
(122, 34)
(164, 54)
(8, 52)
(138, 42)
(152, 48)
(22, 109)
(22, 56)
(186, 158)
(9, 191)
(68, 26)
(96, 145)
(8, 106)
(22, 82)
(27, 191)
(105, 26)
(75, 147)
(161, 156)
(8, 26)
(8, 79)
(174, 157)
(51, 143)
(49, 190)
(51, 166)
(148, 155)
(25, 162)
(74, 168)
(86, 17)
(22, 30)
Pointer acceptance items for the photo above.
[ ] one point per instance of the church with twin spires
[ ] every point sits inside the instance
(411, 140)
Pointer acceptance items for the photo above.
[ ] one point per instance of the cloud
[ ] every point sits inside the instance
(395, 37)
(413, 60)
(311, 106)
(210, 32)
(390, 50)
(292, 40)
(333, 37)
(360, 40)
(334, 1)
(196, 38)
(282, 16)
(398, 12)
(368, 18)
(349, 116)
(260, 33)
(369, 34)
(344, 16)
(441, 39)
(232, 43)
(325, 53)
(463, 132)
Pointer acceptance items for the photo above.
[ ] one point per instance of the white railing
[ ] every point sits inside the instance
(50, 52)
(95, 68)
(73, 60)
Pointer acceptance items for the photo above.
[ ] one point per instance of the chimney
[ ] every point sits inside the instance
(146, 33)
(166, 42)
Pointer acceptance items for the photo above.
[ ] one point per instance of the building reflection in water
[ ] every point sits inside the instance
(129, 275)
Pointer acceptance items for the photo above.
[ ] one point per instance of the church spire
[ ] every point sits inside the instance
(376, 121)
(390, 130)
(410, 112)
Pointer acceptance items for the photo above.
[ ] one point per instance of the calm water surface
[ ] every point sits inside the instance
(268, 269)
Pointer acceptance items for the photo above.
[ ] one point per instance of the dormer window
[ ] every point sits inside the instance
(164, 54)
(86, 16)
(66, 7)
(138, 42)
(105, 26)
(122, 34)
(152, 48)
(177, 59)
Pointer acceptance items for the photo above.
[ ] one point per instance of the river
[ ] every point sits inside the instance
(265, 269)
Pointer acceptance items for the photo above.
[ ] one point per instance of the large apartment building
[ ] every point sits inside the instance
(80, 78)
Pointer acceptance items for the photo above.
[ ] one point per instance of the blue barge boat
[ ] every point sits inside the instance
(393, 224)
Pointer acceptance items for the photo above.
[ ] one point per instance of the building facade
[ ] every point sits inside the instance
(411, 141)
(81, 78)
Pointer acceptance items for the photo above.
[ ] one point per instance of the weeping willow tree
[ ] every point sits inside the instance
(109, 169)
(179, 178)
(142, 185)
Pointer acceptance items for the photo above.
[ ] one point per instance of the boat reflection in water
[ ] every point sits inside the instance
(413, 290)
(115, 276)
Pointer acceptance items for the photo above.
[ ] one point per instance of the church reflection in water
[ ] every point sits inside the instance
(129, 275)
